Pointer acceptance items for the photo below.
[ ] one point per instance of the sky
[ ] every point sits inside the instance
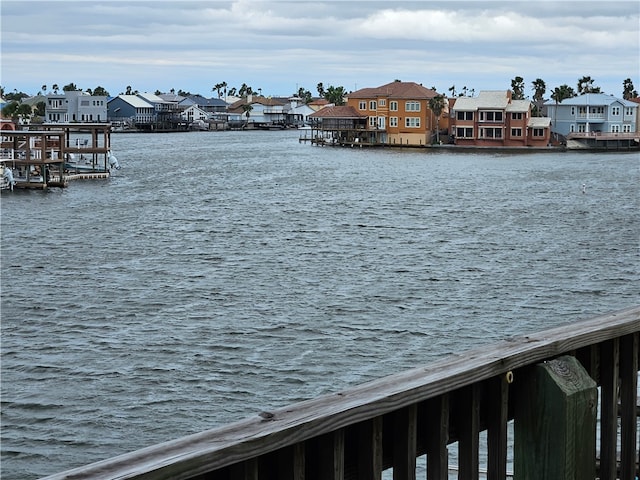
(277, 47)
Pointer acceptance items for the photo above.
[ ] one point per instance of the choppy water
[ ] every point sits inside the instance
(220, 274)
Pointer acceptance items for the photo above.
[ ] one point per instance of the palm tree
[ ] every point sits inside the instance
(539, 89)
(517, 88)
(43, 89)
(55, 88)
(436, 104)
(558, 95)
(246, 108)
(585, 85)
(628, 89)
(320, 88)
(128, 91)
(452, 89)
(335, 95)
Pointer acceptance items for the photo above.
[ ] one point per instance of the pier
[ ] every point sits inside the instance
(49, 155)
(552, 387)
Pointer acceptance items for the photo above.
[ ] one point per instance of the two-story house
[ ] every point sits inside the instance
(493, 119)
(398, 112)
(131, 110)
(75, 106)
(592, 113)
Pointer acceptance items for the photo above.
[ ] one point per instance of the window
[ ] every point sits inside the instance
(516, 116)
(373, 122)
(490, 133)
(412, 106)
(628, 112)
(382, 123)
(615, 128)
(582, 128)
(464, 132)
(572, 128)
(516, 132)
(490, 116)
(382, 102)
(573, 111)
(464, 115)
(393, 121)
(393, 106)
(362, 105)
(626, 128)
(373, 105)
(412, 122)
(615, 111)
(538, 132)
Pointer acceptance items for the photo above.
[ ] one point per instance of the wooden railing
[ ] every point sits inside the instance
(390, 422)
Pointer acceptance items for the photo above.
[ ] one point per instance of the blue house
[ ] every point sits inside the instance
(592, 113)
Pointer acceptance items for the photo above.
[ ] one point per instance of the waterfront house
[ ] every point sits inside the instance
(592, 113)
(298, 112)
(211, 105)
(130, 109)
(75, 106)
(494, 119)
(340, 125)
(195, 114)
(264, 111)
(398, 112)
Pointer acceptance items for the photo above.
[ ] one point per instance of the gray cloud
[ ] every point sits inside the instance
(282, 45)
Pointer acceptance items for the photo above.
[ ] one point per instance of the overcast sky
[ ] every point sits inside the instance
(280, 46)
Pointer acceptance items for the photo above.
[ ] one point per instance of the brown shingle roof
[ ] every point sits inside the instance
(341, 111)
(403, 90)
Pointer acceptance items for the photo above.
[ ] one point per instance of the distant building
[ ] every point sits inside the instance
(493, 119)
(593, 113)
(75, 106)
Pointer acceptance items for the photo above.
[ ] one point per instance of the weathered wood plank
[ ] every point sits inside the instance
(207, 451)
(370, 449)
(555, 422)
(437, 424)
(497, 405)
(628, 399)
(405, 434)
(469, 433)
(609, 375)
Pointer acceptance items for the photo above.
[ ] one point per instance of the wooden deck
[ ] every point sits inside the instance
(388, 423)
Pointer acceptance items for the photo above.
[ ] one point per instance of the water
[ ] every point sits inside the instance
(220, 274)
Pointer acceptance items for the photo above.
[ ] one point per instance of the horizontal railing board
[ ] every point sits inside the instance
(213, 449)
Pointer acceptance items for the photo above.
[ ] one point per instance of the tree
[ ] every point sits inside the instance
(246, 108)
(100, 92)
(320, 88)
(539, 89)
(55, 88)
(39, 109)
(517, 88)
(24, 111)
(218, 87)
(43, 88)
(335, 95)
(437, 104)
(10, 110)
(562, 92)
(304, 95)
(245, 90)
(585, 85)
(232, 92)
(452, 89)
(70, 88)
(628, 90)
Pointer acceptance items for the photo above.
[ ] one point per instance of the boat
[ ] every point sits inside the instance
(85, 164)
(7, 181)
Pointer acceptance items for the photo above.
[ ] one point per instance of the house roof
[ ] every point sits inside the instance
(486, 99)
(266, 101)
(519, 106)
(593, 99)
(403, 90)
(153, 98)
(134, 100)
(338, 111)
(539, 122)
(207, 102)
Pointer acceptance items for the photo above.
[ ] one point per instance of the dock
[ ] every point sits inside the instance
(51, 155)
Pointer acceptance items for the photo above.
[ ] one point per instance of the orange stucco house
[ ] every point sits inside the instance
(399, 113)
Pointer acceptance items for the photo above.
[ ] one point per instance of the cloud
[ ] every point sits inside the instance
(282, 44)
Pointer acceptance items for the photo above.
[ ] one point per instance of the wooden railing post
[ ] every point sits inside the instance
(555, 422)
